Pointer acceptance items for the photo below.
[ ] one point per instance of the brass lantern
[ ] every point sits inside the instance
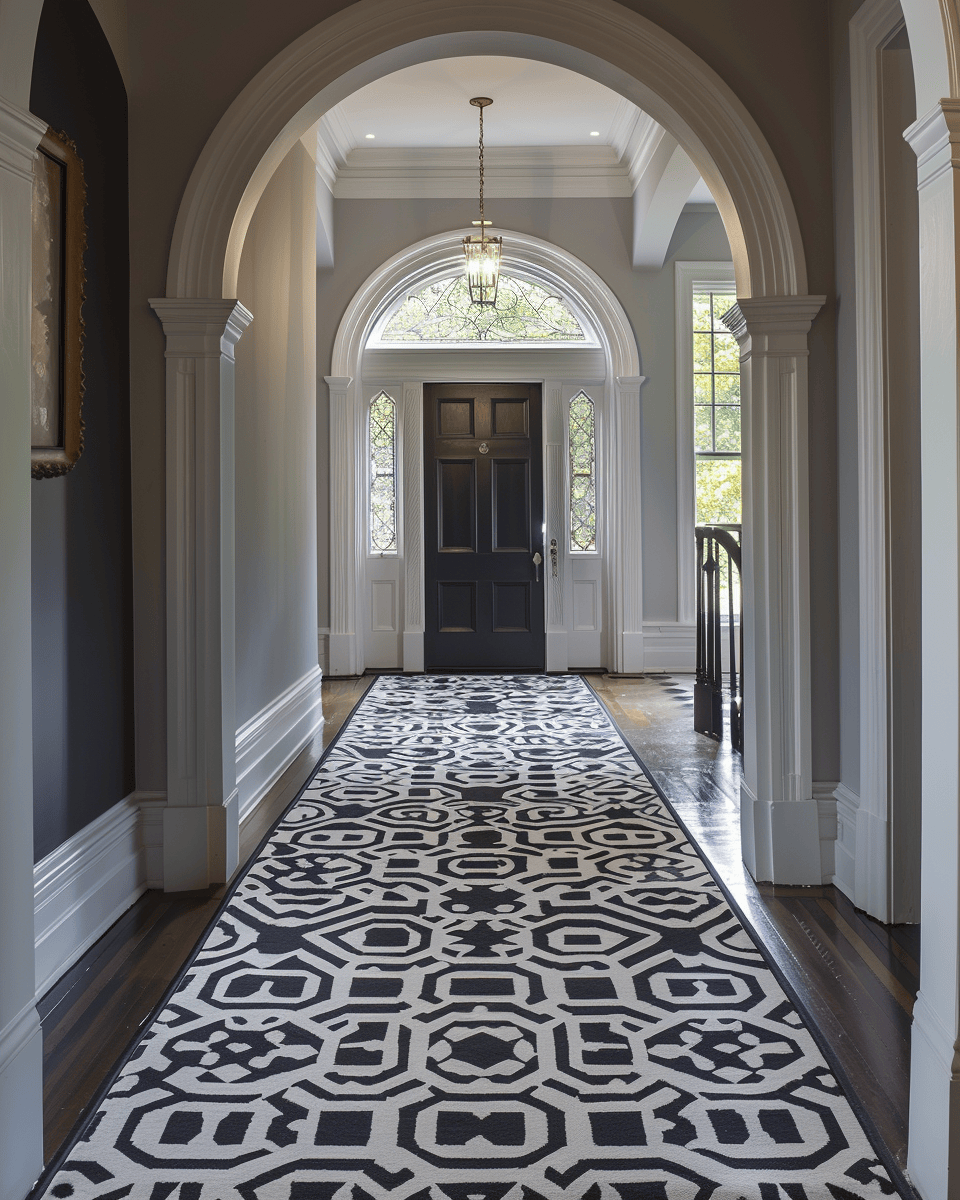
(482, 253)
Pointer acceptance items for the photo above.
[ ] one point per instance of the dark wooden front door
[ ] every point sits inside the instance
(483, 524)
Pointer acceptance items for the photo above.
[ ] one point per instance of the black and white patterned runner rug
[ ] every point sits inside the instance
(478, 959)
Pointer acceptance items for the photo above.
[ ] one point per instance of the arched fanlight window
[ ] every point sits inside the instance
(443, 312)
(382, 440)
(582, 438)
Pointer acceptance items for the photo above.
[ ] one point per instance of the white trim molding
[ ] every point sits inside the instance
(871, 26)
(687, 275)
(670, 646)
(610, 368)
(201, 818)
(845, 848)
(780, 826)
(271, 740)
(84, 885)
(373, 38)
(825, 796)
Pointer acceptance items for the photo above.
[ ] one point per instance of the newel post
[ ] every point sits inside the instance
(778, 815)
(201, 819)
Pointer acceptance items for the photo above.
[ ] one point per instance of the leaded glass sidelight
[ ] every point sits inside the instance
(583, 473)
(383, 475)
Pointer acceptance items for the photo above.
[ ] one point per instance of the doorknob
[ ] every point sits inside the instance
(537, 560)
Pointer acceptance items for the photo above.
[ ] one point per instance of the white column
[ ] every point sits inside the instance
(778, 814)
(934, 1148)
(346, 514)
(201, 818)
(21, 1057)
(622, 549)
(411, 545)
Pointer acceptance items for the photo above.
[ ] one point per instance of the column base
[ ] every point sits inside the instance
(413, 651)
(558, 658)
(933, 1157)
(21, 1105)
(780, 840)
(631, 653)
(344, 654)
(201, 845)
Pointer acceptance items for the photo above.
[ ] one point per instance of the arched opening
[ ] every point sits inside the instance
(362, 367)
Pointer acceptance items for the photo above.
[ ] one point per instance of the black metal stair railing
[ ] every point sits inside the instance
(718, 581)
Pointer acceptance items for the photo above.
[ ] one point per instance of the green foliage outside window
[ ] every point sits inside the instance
(443, 312)
(716, 409)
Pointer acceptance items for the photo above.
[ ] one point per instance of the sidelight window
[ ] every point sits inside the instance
(382, 442)
(582, 439)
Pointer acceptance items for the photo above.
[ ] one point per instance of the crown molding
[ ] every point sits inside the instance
(510, 171)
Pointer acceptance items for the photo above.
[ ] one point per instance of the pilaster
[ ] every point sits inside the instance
(201, 817)
(412, 526)
(622, 545)
(21, 1067)
(346, 537)
(779, 819)
(934, 1145)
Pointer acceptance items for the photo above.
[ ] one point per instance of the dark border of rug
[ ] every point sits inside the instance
(866, 1122)
(90, 1111)
(75, 1134)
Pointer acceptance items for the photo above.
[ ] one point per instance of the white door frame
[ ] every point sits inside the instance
(615, 362)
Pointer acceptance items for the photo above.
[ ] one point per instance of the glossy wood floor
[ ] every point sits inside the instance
(856, 978)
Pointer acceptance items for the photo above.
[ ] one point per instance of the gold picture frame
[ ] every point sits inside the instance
(58, 245)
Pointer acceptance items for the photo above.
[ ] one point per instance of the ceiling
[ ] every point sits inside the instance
(535, 104)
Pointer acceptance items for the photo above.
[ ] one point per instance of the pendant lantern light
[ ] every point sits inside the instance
(482, 253)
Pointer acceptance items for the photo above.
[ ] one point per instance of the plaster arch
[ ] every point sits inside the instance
(620, 566)
(597, 38)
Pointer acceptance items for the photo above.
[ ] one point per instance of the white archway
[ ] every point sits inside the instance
(557, 270)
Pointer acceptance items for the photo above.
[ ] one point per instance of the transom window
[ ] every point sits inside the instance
(382, 442)
(442, 312)
(716, 408)
(582, 436)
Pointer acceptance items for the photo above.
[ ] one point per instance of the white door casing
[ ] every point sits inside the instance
(609, 371)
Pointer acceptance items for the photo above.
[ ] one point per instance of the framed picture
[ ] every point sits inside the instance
(59, 241)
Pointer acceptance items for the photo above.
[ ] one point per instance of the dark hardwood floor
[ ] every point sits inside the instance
(856, 978)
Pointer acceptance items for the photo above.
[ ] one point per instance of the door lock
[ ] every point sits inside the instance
(537, 560)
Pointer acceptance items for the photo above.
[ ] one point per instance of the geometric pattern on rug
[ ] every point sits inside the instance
(478, 959)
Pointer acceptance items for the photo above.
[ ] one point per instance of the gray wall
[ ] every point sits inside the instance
(276, 479)
(598, 231)
(80, 522)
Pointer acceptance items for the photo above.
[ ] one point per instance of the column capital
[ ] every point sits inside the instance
(781, 322)
(20, 134)
(631, 382)
(935, 139)
(198, 327)
(338, 383)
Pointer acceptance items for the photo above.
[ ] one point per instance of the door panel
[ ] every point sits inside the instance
(483, 517)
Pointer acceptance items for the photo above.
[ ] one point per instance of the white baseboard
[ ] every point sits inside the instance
(268, 742)
(845, 862)
(669, 646)
(323, 650)
(83, 886)
(825, 796)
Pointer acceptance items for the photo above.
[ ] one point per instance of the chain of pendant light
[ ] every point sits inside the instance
(482, 227)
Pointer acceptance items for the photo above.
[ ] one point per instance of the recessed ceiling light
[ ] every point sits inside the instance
(594, 132)
(369, 136)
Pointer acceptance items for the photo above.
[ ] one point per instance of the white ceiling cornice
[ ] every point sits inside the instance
(510, 171)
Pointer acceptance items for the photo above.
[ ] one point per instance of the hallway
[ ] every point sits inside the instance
(855, 977)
